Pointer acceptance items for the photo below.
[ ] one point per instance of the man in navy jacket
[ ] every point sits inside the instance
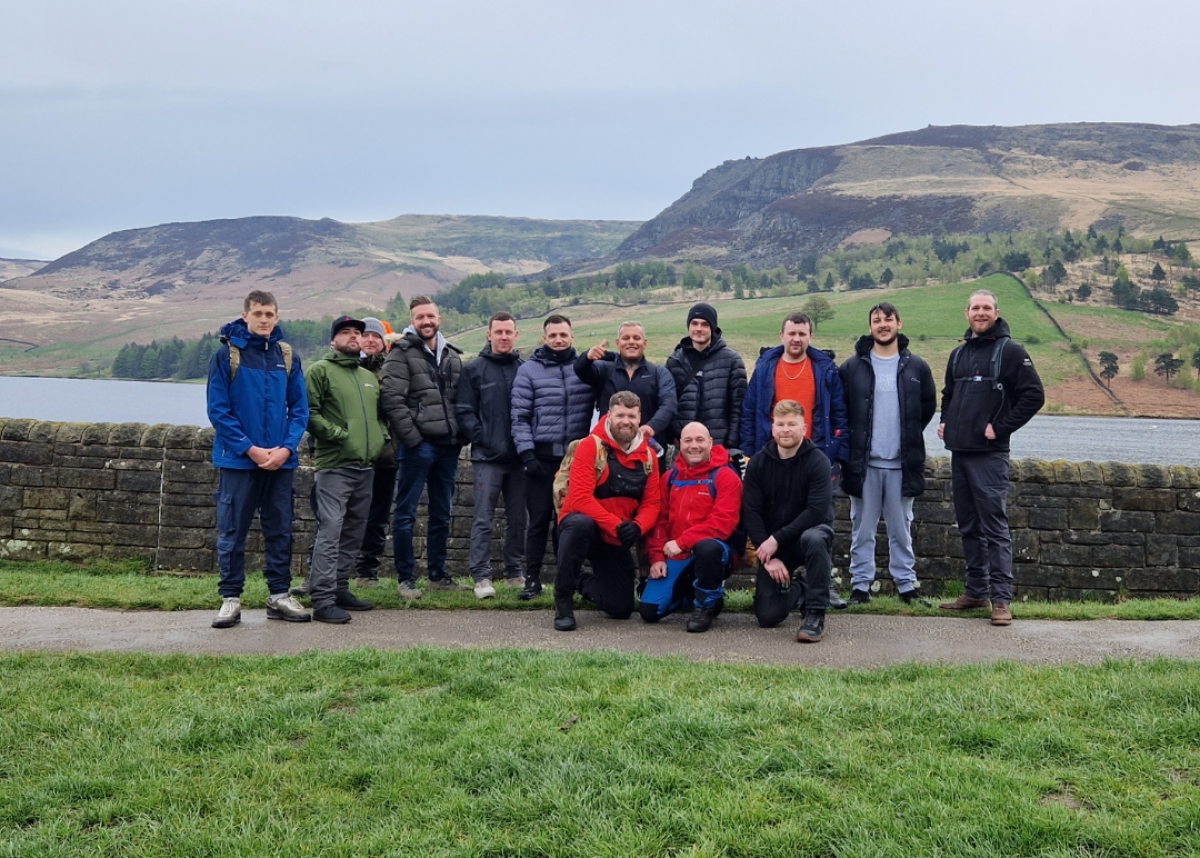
(258, 405)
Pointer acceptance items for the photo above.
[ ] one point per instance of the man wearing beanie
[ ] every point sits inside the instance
(383, 489)
(710, 380)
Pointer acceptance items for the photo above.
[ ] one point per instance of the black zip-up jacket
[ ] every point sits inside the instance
(785, 497)
(653, 385)
(970, 401)
(917, 393)
(419, 393)
(711, 386)
(484, 406)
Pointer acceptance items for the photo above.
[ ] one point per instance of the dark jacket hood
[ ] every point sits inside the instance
(807, 448)
(866, 342)
(238, 333)
(547, 355)
(716, 344)
(486, 352)
(1000, 329)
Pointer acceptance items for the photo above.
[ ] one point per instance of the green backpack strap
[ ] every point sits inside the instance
(235, 359)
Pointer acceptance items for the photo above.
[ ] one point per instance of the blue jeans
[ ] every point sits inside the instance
(240, 495)
(433, 467)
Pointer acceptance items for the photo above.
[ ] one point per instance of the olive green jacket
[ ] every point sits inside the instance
(344, 413)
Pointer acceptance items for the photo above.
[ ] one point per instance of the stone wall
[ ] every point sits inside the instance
(76, 491)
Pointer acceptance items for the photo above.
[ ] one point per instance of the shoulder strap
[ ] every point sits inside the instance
(993, 365)
(235, 359)
(287, 356)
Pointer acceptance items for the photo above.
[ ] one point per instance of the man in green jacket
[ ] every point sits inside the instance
(346, 420)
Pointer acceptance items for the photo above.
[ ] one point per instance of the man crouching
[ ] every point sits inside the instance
(612, 499)
(692, 549)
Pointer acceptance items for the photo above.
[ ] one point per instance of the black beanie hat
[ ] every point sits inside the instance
(705, 312)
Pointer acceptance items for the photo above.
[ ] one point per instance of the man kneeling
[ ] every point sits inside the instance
(787, 507)
(612, 500)
(692, 548)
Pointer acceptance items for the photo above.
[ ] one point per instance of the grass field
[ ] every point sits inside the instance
(128, 586)
(522, 753)
(933, 312)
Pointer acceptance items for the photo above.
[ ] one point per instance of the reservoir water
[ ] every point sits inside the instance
(1076, 439)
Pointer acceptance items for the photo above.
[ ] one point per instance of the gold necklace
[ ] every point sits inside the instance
(788, 375)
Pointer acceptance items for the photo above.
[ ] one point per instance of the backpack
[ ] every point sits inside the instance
(562, 476)
(993, 376)
(235, 359)
(737, 539)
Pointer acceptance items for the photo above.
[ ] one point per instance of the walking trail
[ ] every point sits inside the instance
(862, 641)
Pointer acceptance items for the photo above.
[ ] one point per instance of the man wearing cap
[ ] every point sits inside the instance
(710, 380)
(383, 488)
(346, 419)
(420, 385)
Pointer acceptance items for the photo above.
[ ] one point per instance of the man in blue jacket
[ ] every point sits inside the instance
(797, 371)
(258, 405)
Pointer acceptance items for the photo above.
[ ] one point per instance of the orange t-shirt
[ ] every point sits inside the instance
(795, 381)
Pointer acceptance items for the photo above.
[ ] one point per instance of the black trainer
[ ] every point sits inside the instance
(564, 613)
(346, 599)
(533, 589)
(331, 614)
(860, 597)
(911, 597)
(702, 618)
(813, 628)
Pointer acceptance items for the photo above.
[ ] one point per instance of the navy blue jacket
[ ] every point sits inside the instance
(551, 405)
(652, 384)
(263, 406)
(829, 426)
(484, 406)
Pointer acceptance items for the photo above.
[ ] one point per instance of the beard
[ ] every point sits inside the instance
(349, 351)
(888, 341)
(623, 435)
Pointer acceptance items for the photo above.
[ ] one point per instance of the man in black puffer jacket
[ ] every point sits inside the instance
(991, 391)
(484, 403)
(710, 380)
(890, 398)
(420, 385)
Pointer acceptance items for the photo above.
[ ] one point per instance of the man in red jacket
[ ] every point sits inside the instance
(692, 548)
(612, 500)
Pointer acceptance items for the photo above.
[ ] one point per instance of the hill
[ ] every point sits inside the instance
(772, 211)
(10, 268)
(187, 278)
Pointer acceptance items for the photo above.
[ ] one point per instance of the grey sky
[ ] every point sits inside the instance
(137, 112)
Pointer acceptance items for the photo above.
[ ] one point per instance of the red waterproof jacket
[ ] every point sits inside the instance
(691, 513)
(609, 512)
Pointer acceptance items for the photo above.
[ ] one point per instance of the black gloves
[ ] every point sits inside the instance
(629, 533)
(530, 465)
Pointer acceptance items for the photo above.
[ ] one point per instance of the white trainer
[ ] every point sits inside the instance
(283, 606)
(484, 589)
(230, 614)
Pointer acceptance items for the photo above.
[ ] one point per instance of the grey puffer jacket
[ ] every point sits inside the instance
(419, 391)
(711, 386)
(551, 405)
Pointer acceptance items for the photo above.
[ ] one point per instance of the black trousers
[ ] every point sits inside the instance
(383, 494)
(813, 551)
(610, 584)
(539, 501)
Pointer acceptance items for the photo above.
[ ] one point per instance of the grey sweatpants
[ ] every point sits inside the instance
(881, 493)
(343, 500)
(980, 483)
(491, 481)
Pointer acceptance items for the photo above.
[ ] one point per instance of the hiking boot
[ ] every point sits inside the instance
(230, 614)
(564, 613)
(533, 589)
(445, 584)
(301, 591)
(836, 601)
(701, 619)
(964, 603)
(408, 590)
(1001, 614)
(366, 581)
(346, 599)
(484, 589)
(911, 597)
(516, 582)
(860, 597)
(331, 614)
(283, 606)
(813, 627)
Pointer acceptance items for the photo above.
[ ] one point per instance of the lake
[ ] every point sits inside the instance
(1076, 439)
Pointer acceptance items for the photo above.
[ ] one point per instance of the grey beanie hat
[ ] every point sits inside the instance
(374, 326)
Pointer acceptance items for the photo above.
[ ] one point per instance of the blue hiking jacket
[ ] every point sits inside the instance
(830, 428)
(263, 406)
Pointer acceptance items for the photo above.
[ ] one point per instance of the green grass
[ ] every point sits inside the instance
(129, 586)
(525, 753)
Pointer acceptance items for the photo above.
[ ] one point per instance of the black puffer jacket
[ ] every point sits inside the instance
(484, 406)
(419, 393)
(374, 363)
(917, 393)
(711, 386)
(970, 401)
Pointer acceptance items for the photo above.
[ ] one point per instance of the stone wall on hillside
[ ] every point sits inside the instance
(74, 491)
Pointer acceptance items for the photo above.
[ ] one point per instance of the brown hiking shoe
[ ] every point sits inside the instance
(1001, 615)
(964, 603)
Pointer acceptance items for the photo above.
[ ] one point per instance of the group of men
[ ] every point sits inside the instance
(687, 467)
